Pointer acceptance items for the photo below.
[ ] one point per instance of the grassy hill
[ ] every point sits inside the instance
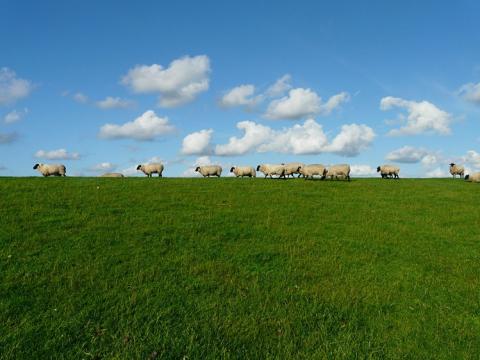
(238, 268)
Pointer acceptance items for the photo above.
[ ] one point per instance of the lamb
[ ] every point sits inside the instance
(51, 169)
(475, 177)
(456, 170)
(270, 170)
(312, 170)
(292, 168)
(149, 169)
(340, 170)
(112, 175)
(209, 170)
(388, 171)
(241, 171)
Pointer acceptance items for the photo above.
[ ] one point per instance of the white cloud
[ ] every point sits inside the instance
(80, 98)
(197, 143)
(104, 166)
(241, 95)
(470, 92)
(306, 138)
(130, 171)
(180, 83)
(8, 138)
(12, 88)
(146, 127)
(114, 103)
(411, 155)
(438, 173)
(280, 87)
(472, 158)
(300, 103)
(363, 170)
(60, 154)
(14, 116)
(423, 117)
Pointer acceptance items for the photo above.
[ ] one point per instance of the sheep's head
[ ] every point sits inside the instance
(452, 164)
(258, 167)
(299, 169)
(35, 167)
(197, 169)
(233, 168)
(139, 167)
(467, 177)
(378, 168)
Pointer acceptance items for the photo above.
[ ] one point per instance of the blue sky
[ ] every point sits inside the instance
(103, 86)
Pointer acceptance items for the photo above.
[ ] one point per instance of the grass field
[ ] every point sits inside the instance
(141, 268)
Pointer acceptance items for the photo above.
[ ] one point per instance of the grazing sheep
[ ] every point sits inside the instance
(456, 170)
(388, 171)
(51, 169)
(270, 170)
(149, 169)
(475, 177)
(241, 171)
(112, 175)
(292, 168)
(209, 170)
(339, 171)
(312, 170)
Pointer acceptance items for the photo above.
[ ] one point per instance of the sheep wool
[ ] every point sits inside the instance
(387, 171)
(241, 171)
(309, 171)
(209, 170)
(339, 171)
(270, 170)
(456, 170)
(149, 169)
(51, 169)
(112, 175)
(292, 168)
(475, 177)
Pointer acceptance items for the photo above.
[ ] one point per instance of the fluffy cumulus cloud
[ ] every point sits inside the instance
(12, 88)
(472, 158)
(8, 138)
(471, 92)
(306, 138)
(242, 95)
(146, 127)
(181, 82)
(412, 155)
(362, 170)
(114, 103)
(14, 116)
(423, 117)
(104, 166)
(437, 172)
(197, 143)
(60, 154)
(301, 103)
(280, 87)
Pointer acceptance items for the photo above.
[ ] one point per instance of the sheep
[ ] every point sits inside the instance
(149, 169)
(456, 170)
(340, 170)
(51, 169)
(312, 170)
(112, 175)
(388, 171)
(475, 177)
(292, 168)
(243, 171)
(209, 170)
(269, 170)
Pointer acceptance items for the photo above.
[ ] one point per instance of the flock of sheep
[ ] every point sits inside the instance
(340, 171)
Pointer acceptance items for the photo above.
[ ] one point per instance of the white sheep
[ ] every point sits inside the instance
(270, 170)
(475, 177)
(312, 170)
(51, 169)
(292, 168)
(112, 175)
(387, 171)
(149, 169)
(241, 171)
(456, 170)
(339, 171)
(209, 170)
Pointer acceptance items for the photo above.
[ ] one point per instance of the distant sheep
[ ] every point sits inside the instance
(292, 168)
(309, 171)
(270, 170)
(388, 171)
(339, 171)
(475, 177)
(51, 169)
(112, 175)
(209, 170)
(456, 170)
(241, 171)
(149, 169)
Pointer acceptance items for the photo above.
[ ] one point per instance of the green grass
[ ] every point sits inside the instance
(239, 268)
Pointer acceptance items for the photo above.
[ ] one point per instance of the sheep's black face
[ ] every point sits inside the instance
(258, 168)
(233, 168)
(467, 177)
(35, 167)
(139, 167)
(378, 168)
(299, 168)
(198, 168)
(452, 164)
